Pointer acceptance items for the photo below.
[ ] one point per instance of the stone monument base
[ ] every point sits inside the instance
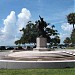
(41, 44)
(41, 49)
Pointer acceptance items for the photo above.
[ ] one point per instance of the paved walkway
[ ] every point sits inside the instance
(38, 54)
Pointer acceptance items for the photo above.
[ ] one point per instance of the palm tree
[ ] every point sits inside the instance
(71, 19)
(73, 36)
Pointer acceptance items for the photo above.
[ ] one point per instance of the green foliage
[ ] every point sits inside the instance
(29, 34)
(37, 29)
(71, 18)
(73, 36)
(70, 39)
(67, 40)
(18, 42)
(56, 40)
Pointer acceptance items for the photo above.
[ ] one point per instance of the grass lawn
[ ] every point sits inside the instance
(67, 71)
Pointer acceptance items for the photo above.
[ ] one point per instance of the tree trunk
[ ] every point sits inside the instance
(73, 26)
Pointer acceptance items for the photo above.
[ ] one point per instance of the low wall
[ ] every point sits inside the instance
(11, 64)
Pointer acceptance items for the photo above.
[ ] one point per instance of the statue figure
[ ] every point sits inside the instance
(40, 27)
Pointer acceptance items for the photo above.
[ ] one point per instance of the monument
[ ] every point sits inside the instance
(40, 57)
(41, 40)
(41, 44)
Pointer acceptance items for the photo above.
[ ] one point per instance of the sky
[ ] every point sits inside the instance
(14, 15)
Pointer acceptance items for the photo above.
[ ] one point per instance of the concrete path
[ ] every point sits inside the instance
(43, 53)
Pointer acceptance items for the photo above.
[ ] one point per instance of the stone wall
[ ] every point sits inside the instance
(11, 64)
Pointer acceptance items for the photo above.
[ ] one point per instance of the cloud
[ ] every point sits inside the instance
(63, 36)
(67, 27)
(66, 31)
(23, 18)
(9, 25)
(10, 32)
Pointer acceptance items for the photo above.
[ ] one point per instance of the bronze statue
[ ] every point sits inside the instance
(40, 27)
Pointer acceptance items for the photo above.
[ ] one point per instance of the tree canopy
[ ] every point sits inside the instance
(70, 39)
(56, 40)
(73, 36)
(37, 29)
(71, 19)
(67, 40)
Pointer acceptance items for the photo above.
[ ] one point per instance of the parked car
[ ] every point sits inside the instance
(9, 48)
(29, 48)
(19, 48)
(54, 47)
(2, 48)
(63, 47)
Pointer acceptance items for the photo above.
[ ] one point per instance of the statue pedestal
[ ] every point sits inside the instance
(41, 44)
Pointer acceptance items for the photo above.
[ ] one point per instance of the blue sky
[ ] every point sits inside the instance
(14, 15)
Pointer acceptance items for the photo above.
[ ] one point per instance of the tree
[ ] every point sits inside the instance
(43, 29)
(71, 19)
(67, 40)
(73, 36)
(37, 29)
(29, 33)
(56, 40)
(18, 42)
